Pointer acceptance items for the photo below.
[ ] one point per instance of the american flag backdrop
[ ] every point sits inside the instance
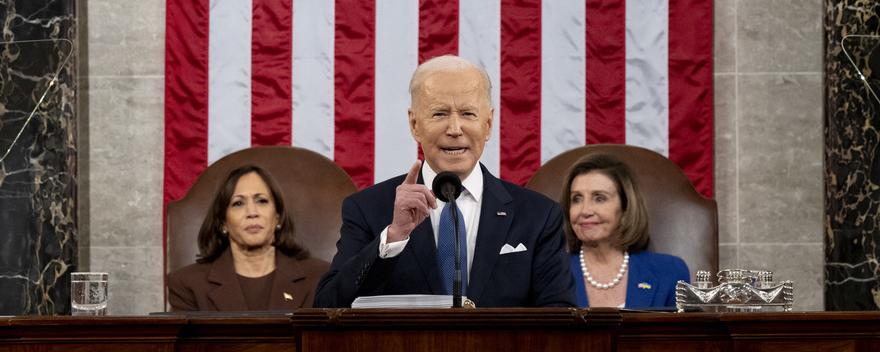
(332, 77)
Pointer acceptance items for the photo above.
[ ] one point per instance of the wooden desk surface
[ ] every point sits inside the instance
(793, 331)
(450, 330)
(147, 333)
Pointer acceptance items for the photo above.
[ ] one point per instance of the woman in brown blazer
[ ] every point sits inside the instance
(248, 256)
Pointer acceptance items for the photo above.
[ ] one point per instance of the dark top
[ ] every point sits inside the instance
(256, 290)
(215, 286)
(509, 215)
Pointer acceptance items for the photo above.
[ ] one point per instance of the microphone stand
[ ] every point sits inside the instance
(456, 279)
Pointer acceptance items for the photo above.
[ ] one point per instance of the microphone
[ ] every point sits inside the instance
(447, 186)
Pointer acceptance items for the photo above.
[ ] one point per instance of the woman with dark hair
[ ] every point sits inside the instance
(248, 255)
(606, 230)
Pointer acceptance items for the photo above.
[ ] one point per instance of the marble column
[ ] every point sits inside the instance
(852, 157)
(38, 233)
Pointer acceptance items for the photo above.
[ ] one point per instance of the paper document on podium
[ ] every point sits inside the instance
(404, 301)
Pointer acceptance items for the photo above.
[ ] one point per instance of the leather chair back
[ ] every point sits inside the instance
(313, 188)
(681, 221)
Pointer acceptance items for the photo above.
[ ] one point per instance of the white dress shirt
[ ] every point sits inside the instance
(468, 202)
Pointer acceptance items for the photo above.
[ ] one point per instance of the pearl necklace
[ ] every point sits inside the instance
(613, 282)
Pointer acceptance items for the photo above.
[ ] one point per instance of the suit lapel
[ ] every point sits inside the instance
(227, 295)
(641, 283)
(289, 284)
(491, 235)
(424, 249)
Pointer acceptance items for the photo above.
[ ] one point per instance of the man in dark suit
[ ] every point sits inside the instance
(512, 247)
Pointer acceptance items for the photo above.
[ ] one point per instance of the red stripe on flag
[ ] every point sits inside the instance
(271, 55)
(438, 32)
(354, 66)
(520, 89)
(438, 28)
(606, 72)
(186, 95)
(691, 137)
(186, 99)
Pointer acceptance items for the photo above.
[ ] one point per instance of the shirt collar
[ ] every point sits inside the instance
(473, 183)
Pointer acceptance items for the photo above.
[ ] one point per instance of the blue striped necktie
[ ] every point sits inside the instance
(446, 249)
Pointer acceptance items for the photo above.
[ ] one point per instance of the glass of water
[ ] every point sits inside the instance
(88, 293)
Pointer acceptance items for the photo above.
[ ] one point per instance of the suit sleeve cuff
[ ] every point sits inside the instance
(390, 250)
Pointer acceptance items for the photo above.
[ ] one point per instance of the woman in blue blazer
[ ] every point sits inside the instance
(606, 230)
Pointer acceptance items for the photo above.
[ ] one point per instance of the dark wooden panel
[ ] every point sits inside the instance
(223, 334)
(64, 333)
(675, 345)
(151, 333)
(792, 331)
(644, 332)
(555, 329)
(569, 330)
(485, 318)
(456, 340)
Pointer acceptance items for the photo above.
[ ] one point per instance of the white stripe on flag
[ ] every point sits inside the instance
(229, 77)
(647, 74)
(479, 40)
(397, 55)
(563, 96)
(313, 106)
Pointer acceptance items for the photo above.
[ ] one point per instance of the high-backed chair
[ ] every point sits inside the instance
(681, 221)
(313, 188)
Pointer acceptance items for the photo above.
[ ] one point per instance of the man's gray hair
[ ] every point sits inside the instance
(447, 63)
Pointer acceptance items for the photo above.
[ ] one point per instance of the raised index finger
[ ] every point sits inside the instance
(413, 174)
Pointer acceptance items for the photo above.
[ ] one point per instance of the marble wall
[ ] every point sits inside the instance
(126, 134)
(38, 146)
(768, 118)
(768, 140)
(852, 172)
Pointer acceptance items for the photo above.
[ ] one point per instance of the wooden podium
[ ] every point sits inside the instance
(506, 330)
(490, 329)
(583, 330)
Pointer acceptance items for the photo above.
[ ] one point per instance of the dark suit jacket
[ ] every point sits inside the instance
(509, 214)
(651, 279)
(214, 286)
